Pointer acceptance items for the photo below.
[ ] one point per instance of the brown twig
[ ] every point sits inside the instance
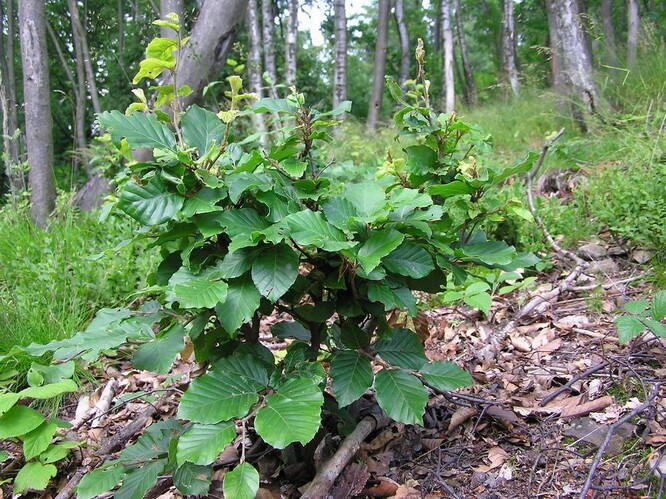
(570, 383)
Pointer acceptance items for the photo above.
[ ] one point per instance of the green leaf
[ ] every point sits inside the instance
(294, 167)
(226, 392)
(201, 129)
(410, 260)
(242, 301)
(3, 456)
(34, 476)
(192, 479)
(489, 252)
(341, 213)
(203, 202)
(140, 130)
(628, 328)
(402, 348)
(421, 159)
(200, 293)
(162, 48)
(290, 329)
(483, 301)
(201, 444)
(151, 68)
(292, 414)
(401, 395)
(657, 328)
(445, 376)
(242, 181)
(636, 307)
(237, 263)
(141, 480)
(351, 376)
(7, 401)
(658, 310)
(150, 205)
(38, 440)
(379, 244)
(368, 198)
(308, 228)
(241, 483)
(455, 188)
(55, 453)
(353, 337)
(99, 481)
(154, 442)
(19, 420)
(401, 298)
(49, 391)
(275, 270)
(158, 355)
(55, 373)
(243, 221)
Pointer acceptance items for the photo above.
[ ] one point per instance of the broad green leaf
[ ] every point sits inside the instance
(141, 480)
(410, 260)
(54, 373)
(268, 105)
(379, 244)
(341, 213)
(308, 228)
(151, 68)
(99, 481)
(275, 270)
(421, 159)
(192, 479)
(200, 293)
(402, 348)
(140, 130)
(628, 328)
(150, 205)
(294, 167)
(49, 391)
(368, 198)
(226, 392)
(523, 167)
(162, 48)
(241, 483)
(3, 456)
(401, 298)
(55, 453)
(154, 442)
(242, 301)
(19, 420)
(658, 310)
(482, 301)
(455, 188)
(351, 376)
(201, 129)
(636, 307)
(489, 252)
(7, 401)
(158, 355)
(290, 329)
(445, 376)
(204, 201)
(242, 221)
(401, 395)
(34, 476)
(38, 440)
(237, 263)
(292, 414)
(201, 444)
(240, 182)
(657, 328)
(353, 337)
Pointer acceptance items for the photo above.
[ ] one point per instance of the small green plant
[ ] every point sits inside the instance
(642, 315)
(245, 233)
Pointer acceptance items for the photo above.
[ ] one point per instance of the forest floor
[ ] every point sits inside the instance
(557, 406)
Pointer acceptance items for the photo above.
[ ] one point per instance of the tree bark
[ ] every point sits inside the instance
(609, 32)
(36, 95)
(470, 84)
(447, 61)
(381, 47)
(509, 47)
(405, 55)
(268, 26)
(340, 69)
(292, 39)
(573, 75)
(87, 62)
(212, 36)
(8, 105)
(254, 68)
(633, 25)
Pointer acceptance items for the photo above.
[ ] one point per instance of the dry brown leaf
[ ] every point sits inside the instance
(407, 492)
(432, 443)
(551, 346)
(385, 488)
(587, 407)
(387, 435)
(461, 415)
(505, 417)
(497, 457)
(520, 343)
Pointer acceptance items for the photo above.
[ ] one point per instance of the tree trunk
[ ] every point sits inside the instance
(573, 77)
(87, 62)
(212, 36)
(609, 32)
(509, 47)
(121, 33)
(380, 65)
(470, 84)
(268, 26)
(633, 25)
(292, 39)
(36, 95)
(254, 67)
(340, 69)
(405, 55)
(8, 105)
(447, 61)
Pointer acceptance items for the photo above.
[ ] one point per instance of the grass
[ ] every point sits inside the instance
(49, 285)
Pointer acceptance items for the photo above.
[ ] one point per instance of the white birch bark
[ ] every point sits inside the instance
(447, 62)
(633, 26)
(381, 47)
(268, 27)
(254, 68)
(340, 69)
(403, 34)
(292, 40)
(509, 47)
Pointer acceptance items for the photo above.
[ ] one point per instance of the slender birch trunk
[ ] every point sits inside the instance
(340, 69)
(447, 61)
(381, 47)
(87, 61)
(292, 39)
(633, 22)
(36, 94)
(470, 84)
(509, 47)
(405, 54)
(268, 27)
(254, 67)
(609, 32)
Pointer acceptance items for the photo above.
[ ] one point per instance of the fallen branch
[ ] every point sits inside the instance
(326, 476)
(571, 382)
(68, 490)
(611, 430)
(101, 407)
